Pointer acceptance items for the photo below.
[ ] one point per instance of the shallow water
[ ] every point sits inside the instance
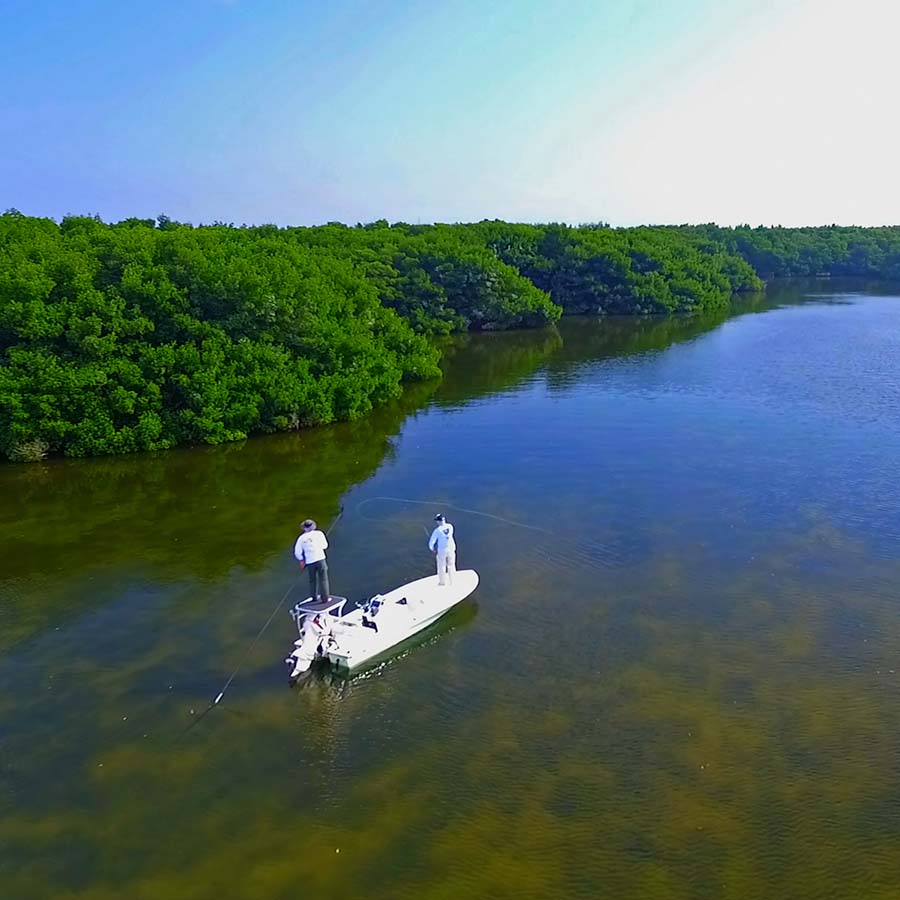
(688, 688)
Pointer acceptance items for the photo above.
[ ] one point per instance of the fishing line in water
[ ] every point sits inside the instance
(259, 634)
(442, 505)
(585, 554)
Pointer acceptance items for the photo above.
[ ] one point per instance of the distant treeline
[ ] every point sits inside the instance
(145, 334)
(806, 252)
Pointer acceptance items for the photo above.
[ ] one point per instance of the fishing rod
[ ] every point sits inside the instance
(441, 504)
(581, 553)
(259, 634)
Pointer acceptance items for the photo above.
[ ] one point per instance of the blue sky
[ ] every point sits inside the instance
(626, 111)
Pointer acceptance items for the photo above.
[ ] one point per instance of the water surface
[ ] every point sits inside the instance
(686, 684)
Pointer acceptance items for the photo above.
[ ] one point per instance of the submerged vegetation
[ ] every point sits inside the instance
(145, 334)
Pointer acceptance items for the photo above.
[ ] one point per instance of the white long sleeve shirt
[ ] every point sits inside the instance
(310, 547)
(442, 538)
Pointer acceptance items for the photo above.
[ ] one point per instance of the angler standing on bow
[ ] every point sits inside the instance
(443, 546)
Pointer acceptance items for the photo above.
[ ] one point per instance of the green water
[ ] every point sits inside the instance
(691, 689)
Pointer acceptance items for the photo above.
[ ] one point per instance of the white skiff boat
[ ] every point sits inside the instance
(349, 634)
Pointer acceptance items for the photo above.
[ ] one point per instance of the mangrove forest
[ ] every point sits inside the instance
(144, 334)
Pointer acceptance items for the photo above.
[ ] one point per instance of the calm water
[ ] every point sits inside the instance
(690, 689)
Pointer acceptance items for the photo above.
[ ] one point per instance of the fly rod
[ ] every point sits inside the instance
(259, 634)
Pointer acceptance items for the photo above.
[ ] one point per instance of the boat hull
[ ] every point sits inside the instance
(403, 613)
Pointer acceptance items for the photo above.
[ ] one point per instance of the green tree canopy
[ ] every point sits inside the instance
(148, 333)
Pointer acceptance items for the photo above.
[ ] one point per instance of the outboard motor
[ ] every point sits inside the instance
(314, 633)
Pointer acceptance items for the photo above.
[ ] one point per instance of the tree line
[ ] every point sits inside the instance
(837, 250)
(144, 334)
